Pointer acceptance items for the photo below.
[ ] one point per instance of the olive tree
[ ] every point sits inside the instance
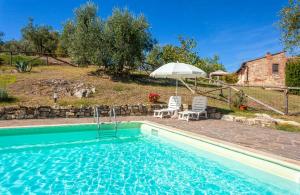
(290, 25)
(81, 35)
(184, 53)
(42, 38)
(119, 44)
(127, 39)
(1, 39)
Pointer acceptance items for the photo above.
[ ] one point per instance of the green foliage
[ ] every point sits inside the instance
(12, 45)
(23, 66)
(42, 38)
(292, 73)
(211, 64)
(239, 99)
(290, 25)
(184, 53)
(230, 78)
(60, 50)
(17, 45)
(65, 41)
(128, 38)
(171, 53)
(34, 62)
(6, 80)
(82, 35)
(1, 39)
(119, 44)
(3, 95)
(286, 127)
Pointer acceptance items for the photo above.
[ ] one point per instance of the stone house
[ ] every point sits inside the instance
(268, 70)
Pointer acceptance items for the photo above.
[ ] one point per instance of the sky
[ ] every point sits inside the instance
(236, 30)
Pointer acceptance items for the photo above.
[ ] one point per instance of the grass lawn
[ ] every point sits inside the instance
(290, 128)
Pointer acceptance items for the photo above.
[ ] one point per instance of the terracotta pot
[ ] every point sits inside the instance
(243, 107)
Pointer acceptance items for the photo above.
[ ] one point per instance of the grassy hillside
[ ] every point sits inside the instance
(127, 91)
(28, 89)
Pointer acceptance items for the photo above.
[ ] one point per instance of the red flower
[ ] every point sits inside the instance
(153, 97)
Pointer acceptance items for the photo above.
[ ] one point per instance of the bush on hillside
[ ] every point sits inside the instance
(292, 75)
(231, 78)
(3, 95)
(239, 99)
(5, 58)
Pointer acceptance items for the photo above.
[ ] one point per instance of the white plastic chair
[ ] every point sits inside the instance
(173, 106)
(199, 106)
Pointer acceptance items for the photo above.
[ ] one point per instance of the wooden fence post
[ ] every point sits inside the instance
(10, 59)
(286, 101)
(229, 97)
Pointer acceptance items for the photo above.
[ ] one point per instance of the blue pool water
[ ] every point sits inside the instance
(74, 161)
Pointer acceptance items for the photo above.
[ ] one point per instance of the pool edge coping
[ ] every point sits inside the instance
(273, 158)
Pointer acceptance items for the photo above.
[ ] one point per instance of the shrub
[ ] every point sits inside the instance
(153, 97)
(240, 99)
(3, 95)
(231, 78)
(292, 75)
(23, 66)
(5, 58)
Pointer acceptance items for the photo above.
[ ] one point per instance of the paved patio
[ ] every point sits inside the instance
(286, 144)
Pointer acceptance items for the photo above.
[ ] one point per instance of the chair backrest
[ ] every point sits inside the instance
(174, 102)
(199, 103)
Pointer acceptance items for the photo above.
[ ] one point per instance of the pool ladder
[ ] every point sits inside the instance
(112, 118)
(96, 116)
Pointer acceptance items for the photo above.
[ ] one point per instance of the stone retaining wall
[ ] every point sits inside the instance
(42, 112)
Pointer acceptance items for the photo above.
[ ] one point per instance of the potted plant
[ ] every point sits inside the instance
(240, 100)
(153, 97)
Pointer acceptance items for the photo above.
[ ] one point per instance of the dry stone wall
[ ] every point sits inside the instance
(43, 112)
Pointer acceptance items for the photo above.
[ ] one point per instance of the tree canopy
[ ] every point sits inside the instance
(43, 38)
(185, 53)
(119, 43)
(128, 39)
(290, 25)
(1, 38)
(80, 36)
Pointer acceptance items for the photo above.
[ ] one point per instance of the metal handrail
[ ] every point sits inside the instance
(113, 115)
(97, 116)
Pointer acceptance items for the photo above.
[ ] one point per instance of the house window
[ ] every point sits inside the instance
(275, 68)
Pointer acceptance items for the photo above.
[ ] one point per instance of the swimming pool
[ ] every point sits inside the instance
(139, 158)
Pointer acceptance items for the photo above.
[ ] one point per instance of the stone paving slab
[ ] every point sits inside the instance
(286, 144)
